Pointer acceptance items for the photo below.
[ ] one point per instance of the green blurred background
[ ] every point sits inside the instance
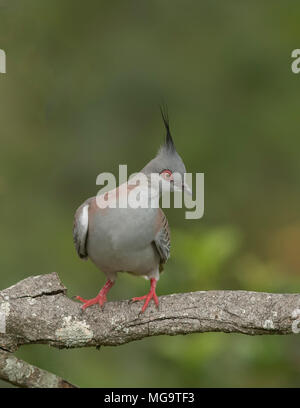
(81, 95)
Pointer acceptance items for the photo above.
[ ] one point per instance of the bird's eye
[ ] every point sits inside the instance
(167, 174)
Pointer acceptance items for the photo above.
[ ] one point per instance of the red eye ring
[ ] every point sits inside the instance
(167, 174)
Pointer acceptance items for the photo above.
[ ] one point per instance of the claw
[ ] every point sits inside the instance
(80, 298)
(100, 298)
(148, 297)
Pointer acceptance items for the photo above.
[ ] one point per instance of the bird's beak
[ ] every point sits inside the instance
(186, 188)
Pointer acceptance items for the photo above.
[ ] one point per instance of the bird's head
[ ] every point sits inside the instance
(168, 166)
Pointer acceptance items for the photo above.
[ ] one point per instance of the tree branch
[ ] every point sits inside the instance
(37, 310)
(20, 373)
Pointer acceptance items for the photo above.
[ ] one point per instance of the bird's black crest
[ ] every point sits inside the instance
(169, 141)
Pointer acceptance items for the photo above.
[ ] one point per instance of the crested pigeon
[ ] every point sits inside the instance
(131, 239)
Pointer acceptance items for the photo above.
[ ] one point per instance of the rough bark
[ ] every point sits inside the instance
(22, 374)
(37, 310)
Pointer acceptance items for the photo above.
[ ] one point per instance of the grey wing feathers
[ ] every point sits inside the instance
(80, 229)
(162, 239)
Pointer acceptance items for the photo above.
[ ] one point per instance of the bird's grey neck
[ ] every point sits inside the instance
(152, 188)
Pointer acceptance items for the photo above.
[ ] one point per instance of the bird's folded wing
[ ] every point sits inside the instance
(162, 238)
(80, 229)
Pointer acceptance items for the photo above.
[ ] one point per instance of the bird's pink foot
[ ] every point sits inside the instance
(89, 302)
(148, 297)
(100, 298)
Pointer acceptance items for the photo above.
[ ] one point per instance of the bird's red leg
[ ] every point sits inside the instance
(151, 295)
(100, 298)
